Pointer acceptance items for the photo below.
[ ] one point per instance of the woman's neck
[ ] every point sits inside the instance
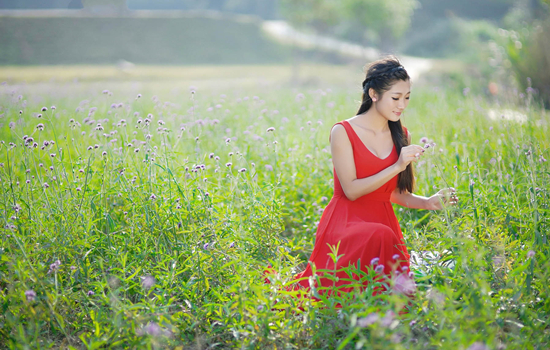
(374, 121)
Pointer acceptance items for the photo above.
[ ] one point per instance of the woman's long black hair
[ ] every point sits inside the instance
(381, 75)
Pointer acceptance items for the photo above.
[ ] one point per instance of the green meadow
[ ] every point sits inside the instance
(141, 214)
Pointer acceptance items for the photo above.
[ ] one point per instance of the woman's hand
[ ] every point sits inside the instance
(409, 154)
(442, 198)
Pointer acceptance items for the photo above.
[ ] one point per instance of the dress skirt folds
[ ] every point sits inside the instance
(366, 229)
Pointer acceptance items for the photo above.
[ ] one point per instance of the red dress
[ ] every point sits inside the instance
(366, 228)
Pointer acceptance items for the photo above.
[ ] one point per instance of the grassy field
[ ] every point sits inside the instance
(171, 37)
(146, 222)
(160, 77)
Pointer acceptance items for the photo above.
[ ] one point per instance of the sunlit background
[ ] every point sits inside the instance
(495, 45)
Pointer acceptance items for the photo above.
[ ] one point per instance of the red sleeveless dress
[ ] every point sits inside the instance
(366, 228)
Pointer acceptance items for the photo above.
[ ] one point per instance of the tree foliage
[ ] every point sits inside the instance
(366, 21)
(116, 4)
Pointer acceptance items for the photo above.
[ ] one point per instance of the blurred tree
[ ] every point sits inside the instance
(525, 42)
(75, 4)
(370, 22)
(110, 4)
(33, 4)
(264, 8)
(471, 9)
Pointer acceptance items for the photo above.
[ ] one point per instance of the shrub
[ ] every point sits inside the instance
(528, 52)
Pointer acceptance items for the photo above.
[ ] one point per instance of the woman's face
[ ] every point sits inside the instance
(392, 102)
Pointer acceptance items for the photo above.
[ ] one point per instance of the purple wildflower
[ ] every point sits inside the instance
(387, 320)
(374, 261)
(379, 268)
(242, 170)
(54, 266)
(404, 285)
(530, 253)
(90, 293)
(478, 346)
(30, 294)
(44, 109)
(368, 320)
(147, 281)
(232, 245)
(153, 329)
(270, 129)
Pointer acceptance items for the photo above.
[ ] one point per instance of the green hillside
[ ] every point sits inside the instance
(146, 40)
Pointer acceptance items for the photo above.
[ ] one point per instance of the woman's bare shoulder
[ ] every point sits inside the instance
(338, 134)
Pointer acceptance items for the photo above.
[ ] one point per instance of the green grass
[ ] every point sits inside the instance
(135, 272)
(157, 77)
(187, 39)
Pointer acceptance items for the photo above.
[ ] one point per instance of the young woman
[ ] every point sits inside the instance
(372, 156)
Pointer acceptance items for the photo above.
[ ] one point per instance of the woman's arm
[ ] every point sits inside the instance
(344, 165)
(409, 200)
(436, 202)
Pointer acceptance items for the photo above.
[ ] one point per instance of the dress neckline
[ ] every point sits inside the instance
(365, 146)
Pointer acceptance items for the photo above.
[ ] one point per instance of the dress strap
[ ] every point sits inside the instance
(349, 130)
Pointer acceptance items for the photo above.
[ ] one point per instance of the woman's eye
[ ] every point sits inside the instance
(407, 98)
(395, 99)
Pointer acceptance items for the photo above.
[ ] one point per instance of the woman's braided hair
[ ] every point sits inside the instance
(381, 75)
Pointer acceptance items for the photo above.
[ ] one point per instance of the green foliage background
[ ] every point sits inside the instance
(154, 40)
(158, 251)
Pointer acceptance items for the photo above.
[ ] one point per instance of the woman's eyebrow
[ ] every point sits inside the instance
(399, 93)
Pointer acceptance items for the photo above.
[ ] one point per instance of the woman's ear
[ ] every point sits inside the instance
(372, 95)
